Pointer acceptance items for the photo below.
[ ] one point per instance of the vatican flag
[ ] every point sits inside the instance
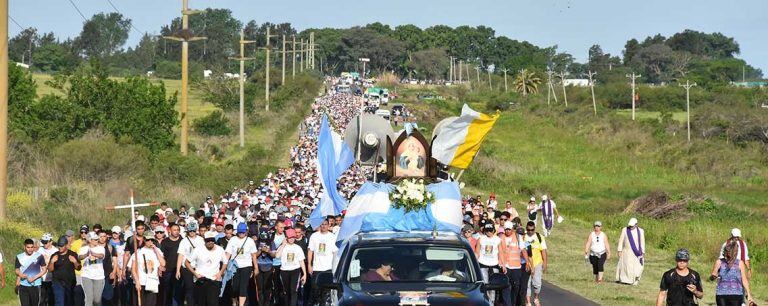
(458, 141)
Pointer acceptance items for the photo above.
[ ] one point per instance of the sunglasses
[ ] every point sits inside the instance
(530, 229)
(503, 219)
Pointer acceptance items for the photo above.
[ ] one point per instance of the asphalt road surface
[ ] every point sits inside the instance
(553, 295)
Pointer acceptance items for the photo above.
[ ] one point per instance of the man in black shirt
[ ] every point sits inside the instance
(173, 293)
(62, 266)
(680, 285)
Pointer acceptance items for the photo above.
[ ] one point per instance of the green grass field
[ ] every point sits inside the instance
(641, 114)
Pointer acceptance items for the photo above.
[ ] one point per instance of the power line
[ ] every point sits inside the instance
(121, 13)
(15, 22)
(78, 10)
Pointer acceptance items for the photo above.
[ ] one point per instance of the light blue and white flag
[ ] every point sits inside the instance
(333, 158)
(371, 210)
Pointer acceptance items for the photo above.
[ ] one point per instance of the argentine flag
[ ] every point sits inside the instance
(333, 158)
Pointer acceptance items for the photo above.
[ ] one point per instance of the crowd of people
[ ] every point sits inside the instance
(253, 245)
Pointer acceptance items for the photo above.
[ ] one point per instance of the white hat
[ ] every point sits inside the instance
(209, 235)
(544, 197)
(159, 211)
(273, 216)
(736, 232)
(632, 222)
(533, 199)
(509, 225)
(116, 229)
(92, 235)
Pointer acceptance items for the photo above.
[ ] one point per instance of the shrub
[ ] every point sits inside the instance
(100, 159)
(214, 124)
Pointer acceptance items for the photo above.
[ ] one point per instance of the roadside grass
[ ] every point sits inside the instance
(642, 114)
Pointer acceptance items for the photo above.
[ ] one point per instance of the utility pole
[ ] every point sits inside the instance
(490, 85)
(549, 85)
(282, 81)
(293, 50)
(268, 47)
(242, 60)
(562, 79)
(450, 71)
(364, 60)
(301, 56)
(3, 106)
(505, 79)
(185, 36)
(633, 76)
(461, 63)
(687, 87)
(312, 52)
(591, 73)
(477, 73)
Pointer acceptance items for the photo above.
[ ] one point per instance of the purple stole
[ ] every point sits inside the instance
(636, 247)
(548, 213)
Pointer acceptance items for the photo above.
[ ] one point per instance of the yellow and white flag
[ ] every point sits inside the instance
(458, 141)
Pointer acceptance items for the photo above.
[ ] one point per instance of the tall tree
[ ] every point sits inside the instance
(21, 46)
(103, 35)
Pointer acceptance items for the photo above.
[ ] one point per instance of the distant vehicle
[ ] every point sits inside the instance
(343, 88)
(418, 260)
(384, 113)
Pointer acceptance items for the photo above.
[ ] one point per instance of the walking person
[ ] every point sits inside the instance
(533, 209)
(680, 286)
(241, 251)
(732, 281)
(322, 249)
(515, 260)
(62, 266)
(292, 269)
(742, 251)
(536, 247)
(597, 251)
(489, 256)
(92, 255)
(631, 250)
(188, 245)
(145, 267)
(47, 250)
(110, 269)
(549, 214)
(30, 268)
(208, 265)
(173, 293)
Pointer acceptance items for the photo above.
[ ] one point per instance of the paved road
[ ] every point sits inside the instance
(553, 295)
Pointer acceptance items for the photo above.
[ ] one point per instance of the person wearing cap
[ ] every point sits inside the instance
(532, 208)
(681, 285)
(597, 250)
(172, 289)
(489, 256)
(512, 251)
(536, 247)
(292, 268)
(30, 268)
(75, 247)
(208, 265)
(732, 281)
(187, 245)
(742, 251)
(47, 250)
(322, 249)
(549, 214)
(92, 273)
(145, 267)
(62, 266)
(159, 234)
(631, 250)
(468, 233)
(241, 251)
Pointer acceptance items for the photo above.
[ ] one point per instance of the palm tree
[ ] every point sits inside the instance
(526, 82)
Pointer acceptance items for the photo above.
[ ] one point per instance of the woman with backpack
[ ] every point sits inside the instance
(731, 276)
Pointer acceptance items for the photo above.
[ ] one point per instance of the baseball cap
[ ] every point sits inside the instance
(192, 226)
(159, 229)
(632, 222)
(533, 199)
(210, 236)
(46, 237)
(598, 223)
(488, 226)
(116, 229)
(242, 228)
(736, 232)
(290, 233)
(84, 228)
(63, 241)
(92, 236)
(69, 233)
(683, 254)
(273, 216)
(509, 225)
(544, 197)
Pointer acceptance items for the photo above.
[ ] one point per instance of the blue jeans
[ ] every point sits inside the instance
(63, 295)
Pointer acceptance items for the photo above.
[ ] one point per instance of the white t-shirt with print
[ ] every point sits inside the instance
(148, 264)
(241, 249)
(92, 268)
(291, 257)
(489, 250)
(187, 245)
(207, 262)
(323, 247)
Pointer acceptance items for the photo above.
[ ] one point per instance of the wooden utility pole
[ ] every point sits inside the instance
(460, 74)
(282, 82)
(633, 76)
(562, 79)
(591, 73)
(293, 50)
(268, 47)
(301, 55)
(477, 73)
(687, 87)
(185, 36)
(450, 70)
(242, 60)
(3, 106)
(312, 50)
(490, 85)
(505, 79)
(549, 85)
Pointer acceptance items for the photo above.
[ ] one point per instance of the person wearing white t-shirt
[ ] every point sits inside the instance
(597, 251)
(322, 249)
(47, 250)
(92, 256)
(488, 255)
(292, 258)
(147, 264)
(242, 250)
(188, 244)
(208, 265)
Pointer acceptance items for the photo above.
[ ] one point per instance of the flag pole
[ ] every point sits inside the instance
(135, 246)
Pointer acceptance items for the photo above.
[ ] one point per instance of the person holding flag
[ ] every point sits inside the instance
(631, 254)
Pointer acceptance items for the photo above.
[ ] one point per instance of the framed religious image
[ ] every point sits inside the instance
(409, 157)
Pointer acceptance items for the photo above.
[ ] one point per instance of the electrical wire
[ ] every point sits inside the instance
(121, 13)
(78, 10)
(15, 22)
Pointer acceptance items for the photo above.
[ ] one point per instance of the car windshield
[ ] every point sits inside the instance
(410, 264)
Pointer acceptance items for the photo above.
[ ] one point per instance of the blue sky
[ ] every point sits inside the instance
(573, 25)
